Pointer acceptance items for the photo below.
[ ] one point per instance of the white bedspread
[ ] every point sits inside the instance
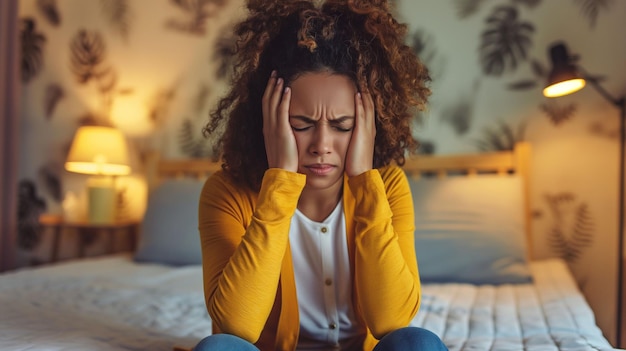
(112, 303)
(102, 304)
(550, 314)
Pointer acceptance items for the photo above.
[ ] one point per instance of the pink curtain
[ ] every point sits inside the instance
(9, 103)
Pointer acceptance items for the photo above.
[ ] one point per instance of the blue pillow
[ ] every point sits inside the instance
(170, 226)
(470, 230)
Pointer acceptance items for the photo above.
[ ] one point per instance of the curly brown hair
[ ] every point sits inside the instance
(357, 38)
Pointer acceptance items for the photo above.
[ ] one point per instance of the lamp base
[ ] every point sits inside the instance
(101, 198)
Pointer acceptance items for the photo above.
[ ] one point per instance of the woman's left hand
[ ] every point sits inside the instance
(360, 156)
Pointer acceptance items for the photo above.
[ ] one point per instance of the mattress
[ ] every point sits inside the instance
(549, 314)
(113, 303)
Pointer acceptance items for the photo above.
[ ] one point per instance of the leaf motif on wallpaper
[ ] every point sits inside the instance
(591, 9)
(119, 15)
(423, 45)
(49, 177)
(466, 8)
(29, 207)
(92, 119)
(190, 145)
(197, 12)
(88, 52)
(558, 113)
(202, 96)
(600, 129)
(160, 105)
(573, 227)
(125, 91)
(87, 63)
(522, 85)
(459, 114)
(501, 137)
(526, 84)
(538, 69)
(505, 42)
(426, 147)
(50, 11)
(32, 49)
(224, 54)
(54, 94)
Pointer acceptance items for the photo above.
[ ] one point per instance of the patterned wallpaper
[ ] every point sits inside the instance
(154, 69)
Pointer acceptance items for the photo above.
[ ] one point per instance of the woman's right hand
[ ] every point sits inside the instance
(280, 143)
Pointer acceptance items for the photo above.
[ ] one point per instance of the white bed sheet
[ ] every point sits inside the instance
(549, 314)
(112, 303)
(108, 303)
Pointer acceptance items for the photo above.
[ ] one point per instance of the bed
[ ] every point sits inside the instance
(487, 294)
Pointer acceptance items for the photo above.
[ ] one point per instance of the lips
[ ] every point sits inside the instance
(320, 169)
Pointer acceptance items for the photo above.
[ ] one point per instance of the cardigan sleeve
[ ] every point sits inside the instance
(386, 274)
(244, 238)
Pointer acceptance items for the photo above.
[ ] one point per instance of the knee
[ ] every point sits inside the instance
(224, 342)
(420, 335)
(411, 338)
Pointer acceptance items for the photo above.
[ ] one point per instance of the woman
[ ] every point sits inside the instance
(307, 232)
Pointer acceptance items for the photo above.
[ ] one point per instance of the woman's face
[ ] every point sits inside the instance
(322, 116)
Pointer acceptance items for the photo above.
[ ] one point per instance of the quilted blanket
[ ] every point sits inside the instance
(113, 303)
(549, 314)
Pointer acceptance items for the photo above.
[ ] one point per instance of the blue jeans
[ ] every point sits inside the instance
(224, 342)
(405, 339)
(410, 339)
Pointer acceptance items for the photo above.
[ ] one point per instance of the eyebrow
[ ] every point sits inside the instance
(313, 121)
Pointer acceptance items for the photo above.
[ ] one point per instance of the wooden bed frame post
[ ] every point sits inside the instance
(522, 160)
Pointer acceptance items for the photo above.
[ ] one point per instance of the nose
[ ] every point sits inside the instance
(321, 143)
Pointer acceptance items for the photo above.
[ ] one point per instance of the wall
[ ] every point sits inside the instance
(160, 69)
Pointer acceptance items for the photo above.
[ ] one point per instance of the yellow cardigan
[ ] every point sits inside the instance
(249, 283)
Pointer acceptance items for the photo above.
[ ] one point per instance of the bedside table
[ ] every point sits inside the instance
(57, 225)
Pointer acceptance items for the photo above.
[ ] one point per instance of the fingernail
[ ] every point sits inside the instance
(280, 81)
(287, 89)
(358, 94)
(273, 75)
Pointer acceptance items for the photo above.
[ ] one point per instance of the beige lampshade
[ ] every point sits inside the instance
(98, 150)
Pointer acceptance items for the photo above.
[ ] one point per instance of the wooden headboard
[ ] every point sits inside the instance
(158, 168)
(516, 162)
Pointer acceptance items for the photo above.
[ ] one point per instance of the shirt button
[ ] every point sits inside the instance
(328, 281)
(332, 326)
(324, 229)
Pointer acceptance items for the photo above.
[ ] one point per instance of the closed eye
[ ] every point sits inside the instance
(300, 129)
(300, 123)
(343, 129)
(343, 124)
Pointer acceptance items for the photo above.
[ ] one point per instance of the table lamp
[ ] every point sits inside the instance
(567, 77)
(103, 153)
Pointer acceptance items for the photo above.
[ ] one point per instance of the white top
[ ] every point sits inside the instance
(323, 281)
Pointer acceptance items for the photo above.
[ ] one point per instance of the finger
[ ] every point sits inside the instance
(284, 106)
(270, 86)
(368, 104)
(369, 118)
(269, 89)
(360, 109)
(275, 97)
